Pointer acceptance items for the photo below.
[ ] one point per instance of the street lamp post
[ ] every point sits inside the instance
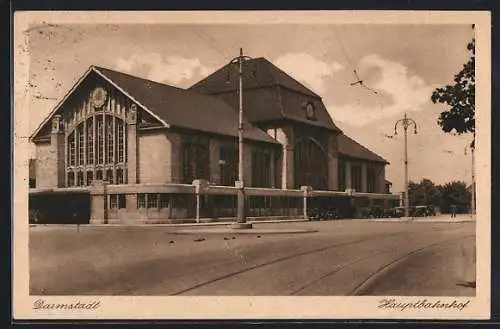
(241, 219)
(473, 186)
(406, 123)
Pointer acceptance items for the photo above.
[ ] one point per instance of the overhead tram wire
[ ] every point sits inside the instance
(359, 81)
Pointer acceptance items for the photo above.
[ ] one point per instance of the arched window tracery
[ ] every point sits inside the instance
(81, 144)
(96, 150)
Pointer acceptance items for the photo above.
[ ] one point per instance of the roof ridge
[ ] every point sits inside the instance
(138, 77)
(268, 62)
(186, 90)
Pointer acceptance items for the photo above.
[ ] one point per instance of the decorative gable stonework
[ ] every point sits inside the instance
(88, 136)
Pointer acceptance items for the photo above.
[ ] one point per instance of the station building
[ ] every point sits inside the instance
(119, 148)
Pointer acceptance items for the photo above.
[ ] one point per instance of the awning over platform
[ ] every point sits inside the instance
(62, 191)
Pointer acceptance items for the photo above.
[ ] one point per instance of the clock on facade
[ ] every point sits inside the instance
(310, 111)
(99, 97)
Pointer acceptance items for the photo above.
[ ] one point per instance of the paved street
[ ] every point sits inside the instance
(346, 257)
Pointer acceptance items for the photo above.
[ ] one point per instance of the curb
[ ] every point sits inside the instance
(243, 231)
(152, 225)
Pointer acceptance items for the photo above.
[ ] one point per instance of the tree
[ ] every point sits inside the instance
(424, 193)
(455, 193)
(460, 97)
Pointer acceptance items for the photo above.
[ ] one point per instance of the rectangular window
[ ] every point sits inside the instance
(71, 179)
(152, 200)
(164, 200)
(180, 200)
(98, 175)
(342, 176)
(109, 140)
(71, 149)
(100, 141)
(81, 145)
(228, 165)
(261, 168)
(141, 200)
(122, 201)
(195, 159)
(113, 201)
(90, 177)
(120, 141)
(90, 142)
(119, 176)
(79, 178)
(109, 176)
(356, 177)
(371, 179)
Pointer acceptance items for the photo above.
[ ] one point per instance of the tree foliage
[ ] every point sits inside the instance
(426, 193)
(455, 193)
(460, 97)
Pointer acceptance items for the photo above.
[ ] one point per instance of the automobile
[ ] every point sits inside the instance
(314, 214)
(431, 211)
(399, 211)
(323, 214)
(389, 213)
(376, 212)
(420, 211)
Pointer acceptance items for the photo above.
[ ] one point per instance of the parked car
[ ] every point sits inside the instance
(323, 214)
(431, 211)
(389, 213)
(399, 212)
(375, 212)
(419, 211)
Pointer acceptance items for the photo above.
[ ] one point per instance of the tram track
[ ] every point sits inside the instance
(336, 261)
(370, 279)
(278, 261)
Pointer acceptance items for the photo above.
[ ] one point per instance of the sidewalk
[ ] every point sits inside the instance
(444, 218)
(205, 224)
(192, 223)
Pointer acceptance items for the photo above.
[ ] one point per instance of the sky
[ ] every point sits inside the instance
(403, 63)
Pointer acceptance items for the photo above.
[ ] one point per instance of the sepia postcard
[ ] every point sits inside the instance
(252, 165)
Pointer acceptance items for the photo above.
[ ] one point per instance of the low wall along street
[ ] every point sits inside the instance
(102, 203)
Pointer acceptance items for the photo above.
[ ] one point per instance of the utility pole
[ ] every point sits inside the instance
(472, 147)
(406, 123)
(241, 222)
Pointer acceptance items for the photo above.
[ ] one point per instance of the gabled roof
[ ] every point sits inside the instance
(257, 72)
(177, 107)
(352, 149)
(270, 93)
(184, 108)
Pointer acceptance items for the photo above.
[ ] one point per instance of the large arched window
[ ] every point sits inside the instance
(96, 150)
(310, 164)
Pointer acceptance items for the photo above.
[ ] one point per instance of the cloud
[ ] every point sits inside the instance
(308, 70)
(405, 92)
(171, 69)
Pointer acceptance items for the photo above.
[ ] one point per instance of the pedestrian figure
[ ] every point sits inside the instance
(453, 211)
